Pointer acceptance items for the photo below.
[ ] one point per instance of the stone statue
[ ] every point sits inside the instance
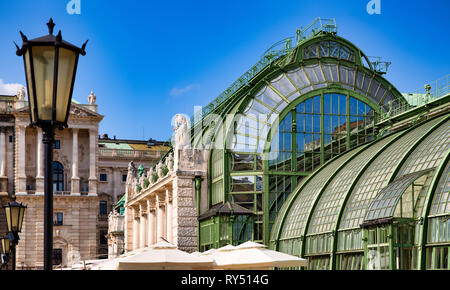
(150, 175)
(181, 136)
(21, 94)
(92, 98)
(169, 162)
(159, 169)
(142, 181)
(131, 178)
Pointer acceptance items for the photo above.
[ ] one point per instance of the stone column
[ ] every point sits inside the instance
(160, 218)
(169, 215)
(39, 163)
(112, 184)
(135, 230)
(75, 160)
(151, 220)
(21, 188)
(3, 152)
(92, 162)
(143, 226)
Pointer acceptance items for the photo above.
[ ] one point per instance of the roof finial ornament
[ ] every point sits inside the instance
(24, 38)
(51, 25)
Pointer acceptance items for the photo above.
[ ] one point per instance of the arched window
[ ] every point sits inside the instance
(58, 176)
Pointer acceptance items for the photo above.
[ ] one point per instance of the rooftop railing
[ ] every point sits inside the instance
(428, 94)
(276, 51)
(129, 153)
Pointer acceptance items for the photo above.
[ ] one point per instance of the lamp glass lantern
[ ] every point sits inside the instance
(14, 216)
(50, 69)
(6, 245)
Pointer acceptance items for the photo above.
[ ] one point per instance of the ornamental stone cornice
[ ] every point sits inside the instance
(151, 191)
(76, 112)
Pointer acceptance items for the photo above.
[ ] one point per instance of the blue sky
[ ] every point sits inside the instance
(149, 60)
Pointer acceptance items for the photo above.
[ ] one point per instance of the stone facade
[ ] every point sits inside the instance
(76, 203)
(114, 157)
(161, 203)
(81, 200)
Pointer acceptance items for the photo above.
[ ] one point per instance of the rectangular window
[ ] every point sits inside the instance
(103, 177)
(57, 144)
(11, 139)
(124, 178)
(59, 219)
(103, 207)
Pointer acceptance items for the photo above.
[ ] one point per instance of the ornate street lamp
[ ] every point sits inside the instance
(6, 248)
(50, 69)
(14, 212)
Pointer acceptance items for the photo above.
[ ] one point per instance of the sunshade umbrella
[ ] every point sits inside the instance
(164, 256)
(110, 264)
(251, 255)
(196, 254)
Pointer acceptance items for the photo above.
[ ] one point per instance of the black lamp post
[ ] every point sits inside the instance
(14, 218)
(6, 248)
(50, 68)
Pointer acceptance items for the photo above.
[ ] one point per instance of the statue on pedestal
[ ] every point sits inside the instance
(92, 98)
(181, 137)
(131, 178)
(159, 169)
(21, 94)
(169, 162)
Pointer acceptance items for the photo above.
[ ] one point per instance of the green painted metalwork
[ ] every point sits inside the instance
(426, 211)
(347, 196)
(355, 182)
(276, 51)
(381, 66)
(323, 74)
(354, 152)
(402, 165)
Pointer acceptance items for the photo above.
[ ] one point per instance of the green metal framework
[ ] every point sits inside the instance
(313, 101)
(392, 214)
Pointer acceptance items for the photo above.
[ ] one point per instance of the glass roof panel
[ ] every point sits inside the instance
(283, 85)
(331, 200)
(299, 78)
(429, 152)
(384, 204)
(296, 217)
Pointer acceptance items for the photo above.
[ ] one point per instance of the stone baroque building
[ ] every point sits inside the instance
(114, 156)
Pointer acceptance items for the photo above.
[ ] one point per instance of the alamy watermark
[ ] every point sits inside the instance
(74, 7)
(374, 7)
(249, 132)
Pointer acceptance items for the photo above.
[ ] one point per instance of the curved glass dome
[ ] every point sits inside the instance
(382, 205)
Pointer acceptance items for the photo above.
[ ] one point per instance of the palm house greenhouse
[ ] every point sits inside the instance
(314, 153)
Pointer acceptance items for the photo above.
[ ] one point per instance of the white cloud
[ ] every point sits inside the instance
(9, 89)
(174, 92)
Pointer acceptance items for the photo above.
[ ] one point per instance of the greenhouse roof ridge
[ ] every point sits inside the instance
(272, 54)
